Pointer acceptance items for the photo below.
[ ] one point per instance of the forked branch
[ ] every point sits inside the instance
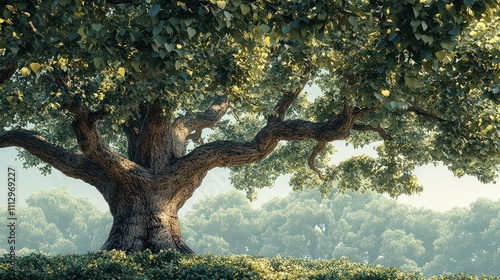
(94, 147)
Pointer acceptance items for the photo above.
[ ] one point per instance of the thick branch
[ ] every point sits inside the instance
(154, 148)
(69, 163)
(93, 146)
(232, 153)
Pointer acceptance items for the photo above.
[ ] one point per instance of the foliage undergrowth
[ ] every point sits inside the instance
(171, 265)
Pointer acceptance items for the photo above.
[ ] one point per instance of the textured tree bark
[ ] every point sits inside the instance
(145, 221)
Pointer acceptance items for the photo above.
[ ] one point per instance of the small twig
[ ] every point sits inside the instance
(421, 112)
(381, 131)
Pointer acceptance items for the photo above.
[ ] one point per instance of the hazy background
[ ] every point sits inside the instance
(442, 191)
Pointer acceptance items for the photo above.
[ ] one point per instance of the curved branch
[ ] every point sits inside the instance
(206, 119)
(191, 127)
(69, 163)
(92, 145)
(232, 153)
(315, 152)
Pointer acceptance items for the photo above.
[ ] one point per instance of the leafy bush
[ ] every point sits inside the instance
(170, 265)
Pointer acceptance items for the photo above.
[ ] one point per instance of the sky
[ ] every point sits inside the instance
(442, 191)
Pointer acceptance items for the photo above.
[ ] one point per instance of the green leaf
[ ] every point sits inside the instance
(415, 24)
(161, 39)
(157, 30)
(188, 22)
(174, 21)
(424, 26)
(265, 28)
(393, 36)
(416, 9)
(244, 9)
(427, 39)
(286, 29)
(154, 10)
(97, 62)
(353, 20)
(22, 6)
(169, 47)
(447, 46)
(135, 65)
(221, 4)
(228, 16)
(191, 32)
(455, 31)
(35, 67)
(14, 49)
(441, 55)
(11, 99)
(409, 82)
(72, 36)
(97, 27)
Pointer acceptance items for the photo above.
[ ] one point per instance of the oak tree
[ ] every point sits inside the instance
(120, 94)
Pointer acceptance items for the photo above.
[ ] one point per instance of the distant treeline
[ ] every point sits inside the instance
(57, 223)
(367, 228)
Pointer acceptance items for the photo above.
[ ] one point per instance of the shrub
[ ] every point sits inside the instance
(171, 265)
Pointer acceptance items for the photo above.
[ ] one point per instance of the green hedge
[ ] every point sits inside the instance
(170, 265)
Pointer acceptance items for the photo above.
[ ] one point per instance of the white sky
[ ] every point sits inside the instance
(442, 191)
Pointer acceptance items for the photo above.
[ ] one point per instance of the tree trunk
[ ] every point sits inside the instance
(146, 220)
